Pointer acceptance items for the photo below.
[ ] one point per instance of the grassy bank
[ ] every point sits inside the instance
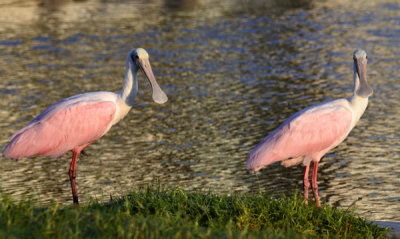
(176, 213)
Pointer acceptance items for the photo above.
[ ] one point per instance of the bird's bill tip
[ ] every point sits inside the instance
(160, 97)
(253, 170)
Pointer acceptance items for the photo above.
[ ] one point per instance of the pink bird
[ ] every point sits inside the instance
(75, 122)
(309, 134)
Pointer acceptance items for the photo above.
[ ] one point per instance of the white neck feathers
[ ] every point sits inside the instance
(129, 91)
(127, 95)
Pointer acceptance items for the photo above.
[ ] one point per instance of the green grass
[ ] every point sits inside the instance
(176, 213)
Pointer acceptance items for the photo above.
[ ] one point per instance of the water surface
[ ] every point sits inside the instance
(233, 72)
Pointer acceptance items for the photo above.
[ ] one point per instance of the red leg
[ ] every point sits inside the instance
(306, 184)
(314, 184)
(72, 176)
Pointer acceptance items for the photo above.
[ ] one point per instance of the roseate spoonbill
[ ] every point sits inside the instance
(75, 122)
(309, 134)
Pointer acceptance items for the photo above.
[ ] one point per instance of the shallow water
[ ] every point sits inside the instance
(233, 72)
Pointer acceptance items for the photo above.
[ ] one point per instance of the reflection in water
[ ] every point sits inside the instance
(233, 71)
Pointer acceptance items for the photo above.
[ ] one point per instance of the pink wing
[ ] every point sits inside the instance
(61, 128)
(311, 132)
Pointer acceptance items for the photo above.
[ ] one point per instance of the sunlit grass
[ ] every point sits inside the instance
(176, 213)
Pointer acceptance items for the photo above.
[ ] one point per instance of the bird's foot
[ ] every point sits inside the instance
(75, 199)
(318, 201)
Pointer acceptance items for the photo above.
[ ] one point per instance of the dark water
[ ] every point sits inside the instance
(233, 72)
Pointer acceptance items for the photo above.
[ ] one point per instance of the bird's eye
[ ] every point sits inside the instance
(137, 57)
(366, 57)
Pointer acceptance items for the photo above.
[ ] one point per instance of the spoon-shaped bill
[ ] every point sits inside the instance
(364, 90)
(158, 94)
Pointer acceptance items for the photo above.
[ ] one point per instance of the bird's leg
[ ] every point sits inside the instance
(314, 183)
(72, 176)
(306, 184)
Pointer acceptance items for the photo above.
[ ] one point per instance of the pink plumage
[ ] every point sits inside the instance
(309, 134)
(73, 122)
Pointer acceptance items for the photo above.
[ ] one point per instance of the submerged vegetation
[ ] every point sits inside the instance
(176, 213)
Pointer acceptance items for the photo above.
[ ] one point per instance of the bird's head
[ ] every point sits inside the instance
(362, 87)
(139, 58)
(138, 53)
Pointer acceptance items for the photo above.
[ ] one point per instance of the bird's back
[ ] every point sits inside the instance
(72, 122)
(309, 133)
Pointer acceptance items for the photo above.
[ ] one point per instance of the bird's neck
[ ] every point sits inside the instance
(357, 103)
(129, 91)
